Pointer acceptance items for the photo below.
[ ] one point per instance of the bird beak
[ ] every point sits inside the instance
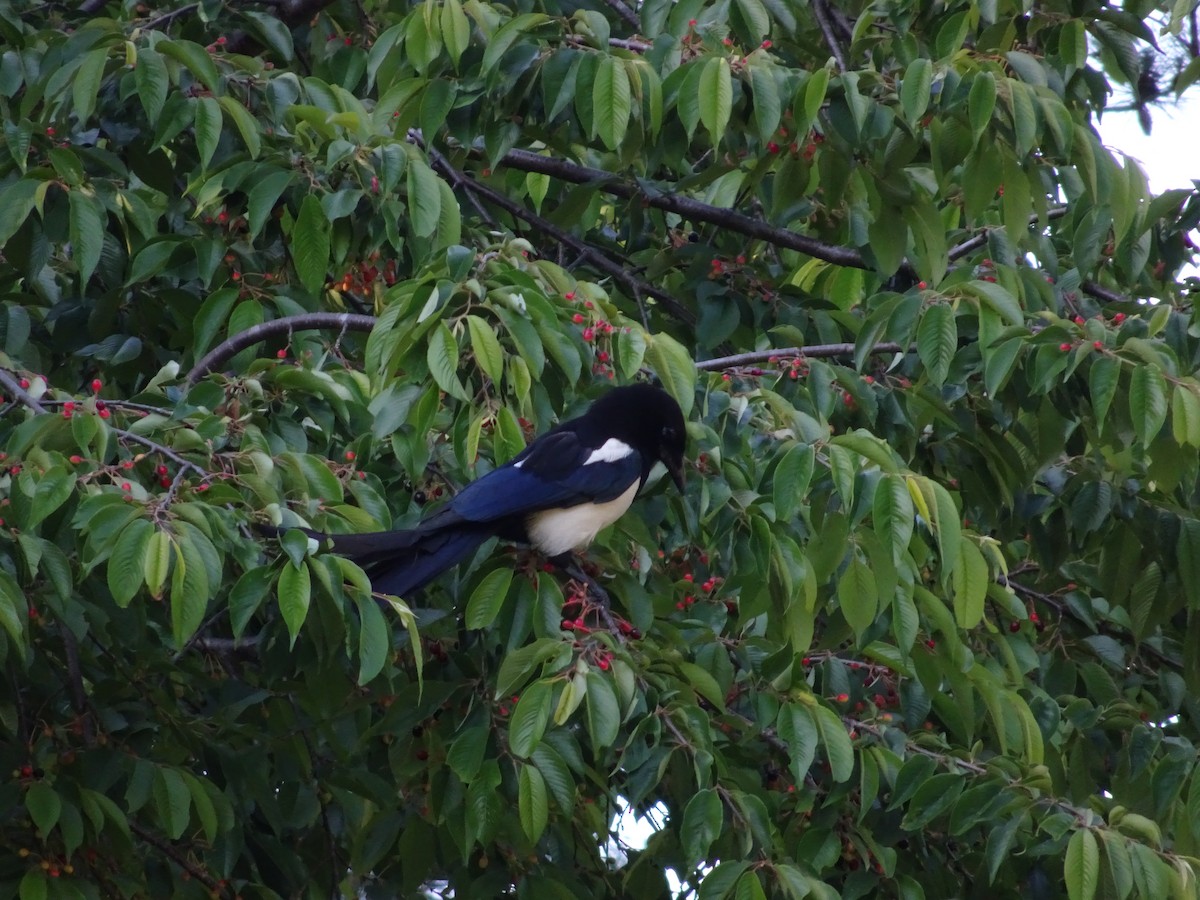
(675, 469)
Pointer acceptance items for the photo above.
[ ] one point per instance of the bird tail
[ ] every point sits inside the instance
(402, 562)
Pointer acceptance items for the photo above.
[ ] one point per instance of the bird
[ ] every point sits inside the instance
(555, 496)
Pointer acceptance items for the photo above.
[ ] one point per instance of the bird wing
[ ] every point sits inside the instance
(557, 470)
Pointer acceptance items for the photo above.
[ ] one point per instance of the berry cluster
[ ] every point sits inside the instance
(360, 276)
(595, 330)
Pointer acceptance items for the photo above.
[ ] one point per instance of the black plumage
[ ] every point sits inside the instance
(555, 496)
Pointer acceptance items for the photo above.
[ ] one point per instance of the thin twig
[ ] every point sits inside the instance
(812, 351)
(156, 447)
(13, 387)
(1100, 292)
(731, 220)
(694, 210)
(622, 10)
(303, 322)
(168, 17)
(978, 240)
(79, 704)
(821, 14)
(623, 43)
(631, 282)
(180, 859)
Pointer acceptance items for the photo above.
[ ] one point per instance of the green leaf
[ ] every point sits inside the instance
(603, 712)
(915, 89)
(126, 567)
(715, 92)
(456, 30)
(932, 798)
(519, 663)
(442, 356)
(310, 240)
(13, 612)
(465, 757)
(53, 488)
(792, 477)
(190, 588)
(172, 802)
(857, 596)
(970, 580)
(893, 514)
(86, 83)
(529, 718)
(272, 31)
(675, 369)
(424, 198)
(195, 58)
(937, 341)
(799, 730)
(207, 124)
(981, 102)
(533, 804)
(767, 108)
(156, 562)
(245, 123)
(703, 823)
(506, 36)
(1147, 401)
(295, 595)
(756, 17)
(839, 751)
(721, 879)
(1103, 377)
(17, 200)
(1185, 414)
(44, 806)
(33, 886)
(999, 299)
(487, 598)
(88, 220)
(374, 640)
(262, 197)
(611, 101)
(1082, 865)
(486, 346)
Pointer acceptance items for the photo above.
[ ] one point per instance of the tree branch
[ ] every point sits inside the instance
(180, 859)
(694, 210)
(697, 211)
(978, 240)
(632, 283)
(13, 387)
(812, 351)
(821, 14)
(1100, 292)
(79, 704)
(625, 13)
(288, 324)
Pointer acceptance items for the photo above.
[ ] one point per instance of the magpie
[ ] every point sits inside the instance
(555, 496)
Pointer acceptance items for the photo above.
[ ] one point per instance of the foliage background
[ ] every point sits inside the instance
(926, 623)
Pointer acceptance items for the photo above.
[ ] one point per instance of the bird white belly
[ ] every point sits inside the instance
(555, 531)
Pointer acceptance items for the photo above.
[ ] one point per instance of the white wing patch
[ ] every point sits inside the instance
(610, 451)
(555, 531)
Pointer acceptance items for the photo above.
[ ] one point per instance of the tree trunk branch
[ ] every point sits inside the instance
(288, 324)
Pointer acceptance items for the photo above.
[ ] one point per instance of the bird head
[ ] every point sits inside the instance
(648, 419)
